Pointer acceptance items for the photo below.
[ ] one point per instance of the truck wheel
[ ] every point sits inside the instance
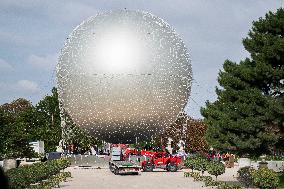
(173, 167)
(168, 167)
(110, 167)
(116, 172)
(148, 167)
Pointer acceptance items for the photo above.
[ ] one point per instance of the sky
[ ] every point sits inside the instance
(33, 32)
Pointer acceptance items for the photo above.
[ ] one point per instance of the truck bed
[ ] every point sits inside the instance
(125, 164)
(124, 167)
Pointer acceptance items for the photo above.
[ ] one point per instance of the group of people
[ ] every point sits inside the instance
(228, 158)
(217, 156)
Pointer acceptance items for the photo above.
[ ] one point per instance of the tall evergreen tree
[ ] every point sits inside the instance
(248, 115)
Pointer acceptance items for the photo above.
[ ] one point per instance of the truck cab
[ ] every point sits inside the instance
(161, 160)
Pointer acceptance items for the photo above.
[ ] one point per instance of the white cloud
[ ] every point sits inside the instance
(27, 86)
(15, 38)
(47, 62)
(19, 3)
(20, 87)
(5, 66)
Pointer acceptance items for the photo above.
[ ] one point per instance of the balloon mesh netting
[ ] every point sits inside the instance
(124, 74)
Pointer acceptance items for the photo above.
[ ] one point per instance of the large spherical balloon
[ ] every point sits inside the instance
(124, 75)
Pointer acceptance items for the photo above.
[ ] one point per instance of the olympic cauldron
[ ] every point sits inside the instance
(124, 75)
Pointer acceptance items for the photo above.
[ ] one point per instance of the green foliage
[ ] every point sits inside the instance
(265, 178)
(245, 175)
(215, 168)
(46, 119)
(189, 162)
(14, 138)
(197, 162)
(281, 178)
(268, 158)
(208, 181)
(21, 123)
(248, 116)
(228, 186)
(186, 174)
(196, 176)
(22, 177)
(51, 182)
(200, 164)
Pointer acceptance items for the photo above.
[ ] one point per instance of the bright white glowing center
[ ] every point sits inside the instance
(120, 52)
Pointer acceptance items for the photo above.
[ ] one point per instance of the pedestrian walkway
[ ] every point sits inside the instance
(104, 179)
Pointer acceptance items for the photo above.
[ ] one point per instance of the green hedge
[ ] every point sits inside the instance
(265, 178)
(51, 182)
(22, 177)
(208, 181)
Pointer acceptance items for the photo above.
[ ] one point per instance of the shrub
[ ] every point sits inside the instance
(245, 175)
(22, 177)
(197, 162)
(228, 186)
(200, 164)
(186, 174)
(215, 168)
(265, 178)
(188, 163)
(208, 181)
(195, 176)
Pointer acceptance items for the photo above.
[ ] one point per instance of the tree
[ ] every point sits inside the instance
(247, 116)
(191, 131)
(266, 46)
(176, 131)
(215, 168)
(14, 140)
(200, 164)
(195, 136)
(49, 113)
(42, 122)
(16, 107)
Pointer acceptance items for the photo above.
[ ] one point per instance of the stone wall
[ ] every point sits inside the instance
(277, 166)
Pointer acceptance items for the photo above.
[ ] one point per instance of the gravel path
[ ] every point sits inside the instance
(104, 179)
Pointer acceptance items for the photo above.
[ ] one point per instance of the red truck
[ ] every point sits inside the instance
(153, 160)
(162, 160)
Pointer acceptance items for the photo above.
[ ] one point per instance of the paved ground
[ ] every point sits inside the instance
(104, 179)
